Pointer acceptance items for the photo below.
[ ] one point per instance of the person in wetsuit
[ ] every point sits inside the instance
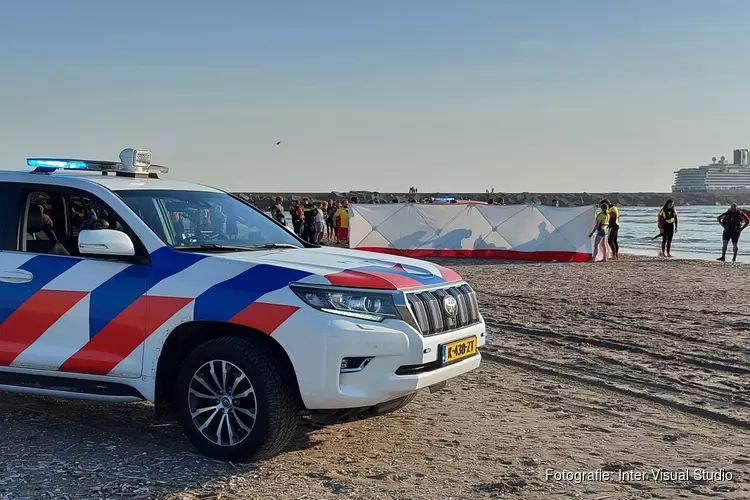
(600, 228)
(667, 226)
(614, 228)
(330, 216)
(277, 211)
(734, 221)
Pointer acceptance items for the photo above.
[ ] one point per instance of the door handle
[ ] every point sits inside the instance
(15, 276)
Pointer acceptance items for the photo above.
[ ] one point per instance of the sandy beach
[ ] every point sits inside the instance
(640, 364)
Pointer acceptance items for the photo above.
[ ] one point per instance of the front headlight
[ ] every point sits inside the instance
(372, 306)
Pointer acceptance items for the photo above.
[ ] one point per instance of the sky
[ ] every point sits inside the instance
(447, 96)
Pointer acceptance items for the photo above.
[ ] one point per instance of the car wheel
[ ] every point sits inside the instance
(235, 402)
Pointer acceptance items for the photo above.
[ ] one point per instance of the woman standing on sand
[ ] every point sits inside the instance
(667, 227)
(600, 228)
(614, 228)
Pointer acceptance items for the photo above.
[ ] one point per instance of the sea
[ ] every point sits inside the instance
(698, 235)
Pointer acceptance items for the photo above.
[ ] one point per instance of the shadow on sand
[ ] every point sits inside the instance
(81, 449)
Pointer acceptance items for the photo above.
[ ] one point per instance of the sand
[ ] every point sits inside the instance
(590, 368)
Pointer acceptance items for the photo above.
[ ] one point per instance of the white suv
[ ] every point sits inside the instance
(116, 285)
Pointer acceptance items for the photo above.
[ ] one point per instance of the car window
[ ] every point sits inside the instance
(84, 208)
(52, 220)
(7, 190)
(186, 219)
(39, 233)
(44, 203)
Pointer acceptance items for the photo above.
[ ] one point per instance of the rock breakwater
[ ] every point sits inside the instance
(265, 200)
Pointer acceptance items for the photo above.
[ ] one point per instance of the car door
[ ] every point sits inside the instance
(60, 311)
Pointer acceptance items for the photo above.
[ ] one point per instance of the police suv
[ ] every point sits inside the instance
(117, 285)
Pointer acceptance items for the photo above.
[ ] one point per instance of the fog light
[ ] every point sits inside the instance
(349, 365)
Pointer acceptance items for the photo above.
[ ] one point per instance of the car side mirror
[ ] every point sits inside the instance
(105, 242)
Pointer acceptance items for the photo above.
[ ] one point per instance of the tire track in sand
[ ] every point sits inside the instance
(550, 352)
(700, 361)
(558, 371)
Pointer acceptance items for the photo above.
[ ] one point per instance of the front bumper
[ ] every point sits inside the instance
(316, 342)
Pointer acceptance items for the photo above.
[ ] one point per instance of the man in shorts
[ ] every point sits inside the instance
(734, 221)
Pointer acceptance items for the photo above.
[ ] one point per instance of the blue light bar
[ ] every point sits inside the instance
(51, 164)
(133, 162)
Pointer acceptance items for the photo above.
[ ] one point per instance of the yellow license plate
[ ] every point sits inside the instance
(459, 349)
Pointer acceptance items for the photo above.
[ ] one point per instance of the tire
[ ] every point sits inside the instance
(267, 393)
(391, 406)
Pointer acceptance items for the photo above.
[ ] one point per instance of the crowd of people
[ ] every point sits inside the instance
(607, 225)
(317, 222)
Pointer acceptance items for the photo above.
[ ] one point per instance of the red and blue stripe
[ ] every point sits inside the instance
(44, 269)
(236, 300)
(395, 277)
(120, 309)
(114, 296)
(27, 311)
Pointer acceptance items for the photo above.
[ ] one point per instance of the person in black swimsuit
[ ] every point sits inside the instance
(330, 218)
(734, 221)
(668, 226)
(614, 228)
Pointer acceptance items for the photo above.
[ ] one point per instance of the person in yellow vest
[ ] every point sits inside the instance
(614, 228)
(600, 228)
(667, 227)
(342, 223)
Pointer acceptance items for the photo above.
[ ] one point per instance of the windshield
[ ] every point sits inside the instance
(195, 219)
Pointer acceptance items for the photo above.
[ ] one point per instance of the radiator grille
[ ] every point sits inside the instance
(429, 309)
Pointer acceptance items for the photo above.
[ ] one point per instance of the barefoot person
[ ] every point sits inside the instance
(600, 228)
(667, 226)
(614, 228)
(734, 221)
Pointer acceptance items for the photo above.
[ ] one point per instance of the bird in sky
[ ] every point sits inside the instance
(277, 143)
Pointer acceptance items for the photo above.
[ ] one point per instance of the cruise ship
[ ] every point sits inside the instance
(717, 176)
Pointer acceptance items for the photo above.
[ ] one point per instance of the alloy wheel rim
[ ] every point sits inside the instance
(222, 403)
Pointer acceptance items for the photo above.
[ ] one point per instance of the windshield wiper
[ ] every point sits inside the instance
(267, 246)
(217, 247)
(213, 247)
